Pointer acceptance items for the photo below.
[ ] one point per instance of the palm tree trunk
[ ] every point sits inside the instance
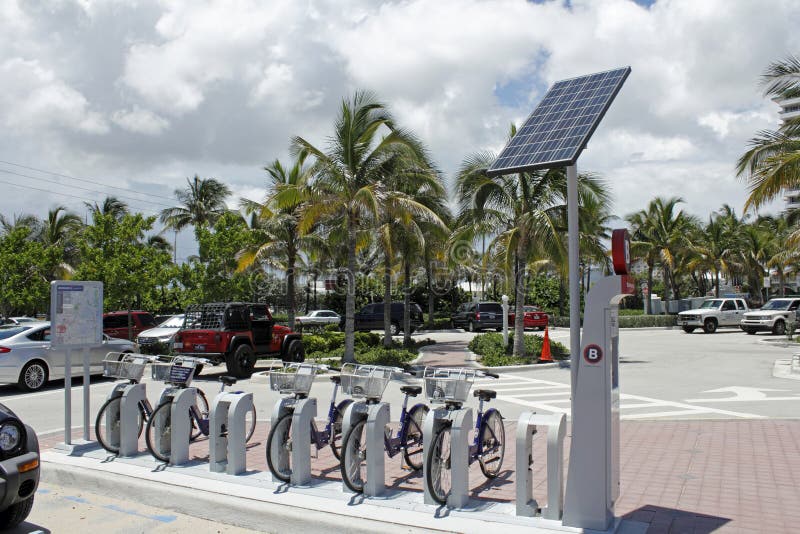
(781, 282)
(716, 283)
(407, 303)
(429, 283)
(350, 298)
(290, 304)
(649, 289)
(315, 289)
(519, 307)
(387, 299)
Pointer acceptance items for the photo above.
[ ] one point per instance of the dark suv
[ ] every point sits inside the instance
(236, 333)
(371, 317)
(475, 316)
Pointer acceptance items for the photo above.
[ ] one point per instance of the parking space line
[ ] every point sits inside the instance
(649, 415)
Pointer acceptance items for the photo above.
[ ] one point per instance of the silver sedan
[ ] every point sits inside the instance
(27, 360)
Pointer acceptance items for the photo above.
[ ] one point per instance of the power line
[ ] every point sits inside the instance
(65, 194)
(79, 187)
(85, 180)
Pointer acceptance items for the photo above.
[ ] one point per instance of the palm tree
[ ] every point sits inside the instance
(202, 203)
(19, 221)
(772, 163)
(59, 231)
(277, 229)
(349, 180)
(526, 213)
(713, 251)
(110, 206)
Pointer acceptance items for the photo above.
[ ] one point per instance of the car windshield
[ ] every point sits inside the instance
(776, 305)
(491, 308)
(710, 304)
(9, 331)
(172, 322)
(531, 309)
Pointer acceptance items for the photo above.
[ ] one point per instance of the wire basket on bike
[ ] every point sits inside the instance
(448, 384)
(365, 381)
(127, 366)
(178, 372)
(293, 378)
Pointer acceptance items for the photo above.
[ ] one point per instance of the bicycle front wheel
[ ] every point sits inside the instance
(437, 467)
(250, 423)
(158, 435)
(354, 457)
(492, 437)
(336, 428)
(201, 405)
(412, 440)
(107, 425)
(279, 448)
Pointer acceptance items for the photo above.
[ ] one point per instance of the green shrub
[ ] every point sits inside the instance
(492, 352)
(324, 356)
(332, 328)
(315, 343)
(383, 356)
(439, 323)
(367, 339)
(647, 321)
(629, 311)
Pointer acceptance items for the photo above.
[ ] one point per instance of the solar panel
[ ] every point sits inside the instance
(562, 123)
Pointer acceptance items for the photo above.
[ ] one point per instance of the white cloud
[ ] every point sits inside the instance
(140, 121)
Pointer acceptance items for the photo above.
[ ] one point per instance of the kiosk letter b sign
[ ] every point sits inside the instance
(593, 354)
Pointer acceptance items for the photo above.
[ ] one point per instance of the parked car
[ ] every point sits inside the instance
(21, 320)
(19, 468)
(476, 316)
(27, 359)
(772, 316)
(237, 333)
(370, 317)
(318, 318)
(115, 324)
(712, 314)
(159, 339)
(533, 318)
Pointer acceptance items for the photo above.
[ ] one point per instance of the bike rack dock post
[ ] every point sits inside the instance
(460, 426)
(228, 432)
(305, 411)
(556, 431)
(129, 416)
(181, 424)
(354, 412)
(377, 419)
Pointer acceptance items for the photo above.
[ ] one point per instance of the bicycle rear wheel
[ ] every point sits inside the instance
(336, 428)
(250, 423)
(354, 457)
(201, 405)
(412, 441)
(159, 437)
(279, 448)
(437, 466)
(492, 437)
(107, 425)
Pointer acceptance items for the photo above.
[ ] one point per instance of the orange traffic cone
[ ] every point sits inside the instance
(546, 356)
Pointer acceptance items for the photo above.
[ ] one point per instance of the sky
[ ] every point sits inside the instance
(132, 97)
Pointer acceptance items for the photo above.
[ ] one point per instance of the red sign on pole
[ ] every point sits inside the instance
(593, 354)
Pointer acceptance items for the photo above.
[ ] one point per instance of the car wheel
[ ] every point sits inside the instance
(688, 329)
(779, 328)
(33, 376)
(16, 513)
(471, 327)
(295, 352)
(394, 329)
(241, 362)
(750, 331)
(710, 326)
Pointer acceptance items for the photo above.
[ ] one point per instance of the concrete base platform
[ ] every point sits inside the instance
(253, 501)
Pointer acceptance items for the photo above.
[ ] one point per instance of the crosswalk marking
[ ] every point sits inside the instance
(554, 397)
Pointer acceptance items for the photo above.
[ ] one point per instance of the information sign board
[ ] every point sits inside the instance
(76, 314)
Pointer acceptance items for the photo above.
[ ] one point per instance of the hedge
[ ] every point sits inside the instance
(492, 352)
(628, 321)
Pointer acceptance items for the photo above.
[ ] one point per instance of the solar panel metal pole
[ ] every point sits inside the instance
(573, 251)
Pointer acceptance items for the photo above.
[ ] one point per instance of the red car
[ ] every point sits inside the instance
(533, 318)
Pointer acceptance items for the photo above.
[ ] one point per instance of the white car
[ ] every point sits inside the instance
(160, 336)
(27, 360)
(318, 318)
(772, 317)
(712, 314)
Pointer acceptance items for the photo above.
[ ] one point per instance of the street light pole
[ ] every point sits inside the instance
(574, 287)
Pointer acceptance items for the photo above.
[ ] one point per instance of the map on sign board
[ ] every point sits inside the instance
(76, 314)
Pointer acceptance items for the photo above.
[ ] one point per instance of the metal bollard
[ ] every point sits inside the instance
(227, 432)
(304, 413)
(181, 424)
(556, 431)
(130, 414)
(377, 419)
(460, 422)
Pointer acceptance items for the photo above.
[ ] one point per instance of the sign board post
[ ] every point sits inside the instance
(76, 322)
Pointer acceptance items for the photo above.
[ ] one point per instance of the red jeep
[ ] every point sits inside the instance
(236, 333)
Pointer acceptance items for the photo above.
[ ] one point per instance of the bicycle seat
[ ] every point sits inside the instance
(227, 380)
(336, 379)
(485, 394)
(411, 391)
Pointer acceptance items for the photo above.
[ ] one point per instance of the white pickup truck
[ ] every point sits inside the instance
(712, 314)
(772, 317)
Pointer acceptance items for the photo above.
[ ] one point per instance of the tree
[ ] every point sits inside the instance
(349, 178)
(218, 275)
(772, 163)
(202, 203)
(24, 262)
(112, 206)
(59, 232)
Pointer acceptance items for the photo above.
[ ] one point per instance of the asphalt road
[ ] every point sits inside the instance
(665, 374)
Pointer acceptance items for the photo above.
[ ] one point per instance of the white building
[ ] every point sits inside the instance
(790, 108)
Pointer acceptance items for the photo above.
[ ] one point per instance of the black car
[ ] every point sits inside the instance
(19, 468)
(370, 317)
(475, 316)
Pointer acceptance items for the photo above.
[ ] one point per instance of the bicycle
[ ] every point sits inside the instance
(451, 387)
(296, 379)
(130, 367)
(369, 382)
(179, 374)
